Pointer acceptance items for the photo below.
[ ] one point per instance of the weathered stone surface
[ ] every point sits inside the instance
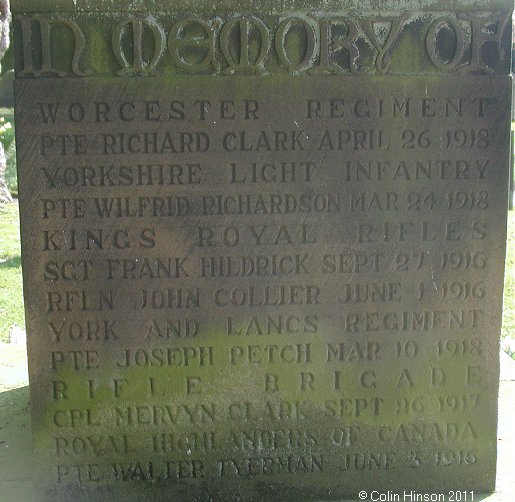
(278, 280)
(283, 5)
(171, 42)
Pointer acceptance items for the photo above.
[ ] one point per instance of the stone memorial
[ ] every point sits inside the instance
(263, 245)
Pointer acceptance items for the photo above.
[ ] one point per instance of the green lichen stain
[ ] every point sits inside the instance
(99, 54)
(310, 424)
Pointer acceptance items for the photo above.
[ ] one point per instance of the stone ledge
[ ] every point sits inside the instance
(207, 6)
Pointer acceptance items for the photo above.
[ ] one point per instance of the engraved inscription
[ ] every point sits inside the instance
(292, 43)
(238, 293)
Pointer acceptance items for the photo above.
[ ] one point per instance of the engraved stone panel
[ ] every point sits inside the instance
(283, 285)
